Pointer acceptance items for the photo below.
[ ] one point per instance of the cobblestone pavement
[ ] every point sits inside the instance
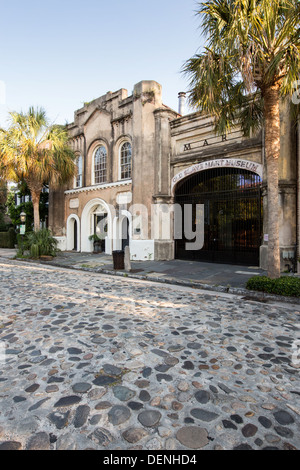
(96, 362)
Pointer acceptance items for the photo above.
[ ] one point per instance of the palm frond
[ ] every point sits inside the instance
(251, 45)
(34, 151)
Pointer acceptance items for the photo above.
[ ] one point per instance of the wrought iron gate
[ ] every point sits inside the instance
(232, 215)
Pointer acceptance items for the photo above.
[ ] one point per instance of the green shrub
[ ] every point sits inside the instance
(34, 251)
(37, 244)
(288, 286)
(12, 237)
(22, 245)
(8, 239)
(4, 239)
(260, 283)
(285, 285)
(46, 243)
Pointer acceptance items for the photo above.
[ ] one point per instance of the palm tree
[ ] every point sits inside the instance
(36, 152)
(250, 63)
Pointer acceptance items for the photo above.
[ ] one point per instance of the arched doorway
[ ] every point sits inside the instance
(232, 215)
(96, 218)
(73, 231)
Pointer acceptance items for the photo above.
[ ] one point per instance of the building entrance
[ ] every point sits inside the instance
(232, 215)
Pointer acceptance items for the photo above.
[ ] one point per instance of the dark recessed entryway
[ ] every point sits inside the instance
(232, 215)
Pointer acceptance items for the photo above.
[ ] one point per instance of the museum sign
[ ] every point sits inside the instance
(218, 163)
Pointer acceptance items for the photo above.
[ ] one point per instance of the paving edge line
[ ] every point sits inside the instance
(251, 295)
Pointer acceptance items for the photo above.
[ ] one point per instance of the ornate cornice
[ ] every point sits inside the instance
(98, 187)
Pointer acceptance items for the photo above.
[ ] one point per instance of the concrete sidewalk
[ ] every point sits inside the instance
(210, 276)
(190, 271)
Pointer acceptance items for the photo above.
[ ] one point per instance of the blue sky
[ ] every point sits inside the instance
(58, 54)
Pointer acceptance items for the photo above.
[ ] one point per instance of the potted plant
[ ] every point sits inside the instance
(98, 242)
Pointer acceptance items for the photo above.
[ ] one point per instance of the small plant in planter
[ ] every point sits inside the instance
(98, 242)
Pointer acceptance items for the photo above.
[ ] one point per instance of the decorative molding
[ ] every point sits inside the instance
(98, 187)
(123, 118)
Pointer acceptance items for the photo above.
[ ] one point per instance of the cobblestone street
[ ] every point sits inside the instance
(90, 361)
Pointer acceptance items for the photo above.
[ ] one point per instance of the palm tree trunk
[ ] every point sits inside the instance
(35, 197)
(272, 149)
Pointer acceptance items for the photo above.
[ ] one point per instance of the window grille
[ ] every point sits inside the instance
(100, 165)
(79, 172)
(125, 161)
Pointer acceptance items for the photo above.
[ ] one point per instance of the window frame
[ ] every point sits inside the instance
(103, 166)
(79, 174)
(125, 174)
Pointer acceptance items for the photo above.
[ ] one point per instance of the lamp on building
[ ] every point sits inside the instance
(23, 217)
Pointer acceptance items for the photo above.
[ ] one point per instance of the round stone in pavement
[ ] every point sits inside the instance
(102, 380)
(123, 393)
(81, 387)
(192, 437)
(73, 351)
(32, 388)
(202, 396)
(149, 418)
(67, 401)
(204, 415)
(144, 395)
(39, 441)
(118, 414)
(103, 405)
(101, 436)
(265, 422)
(81, 416)
(111, 369)
(283, 417)
(11, 445)
(134, 435)
(249, 430)
(60, 420)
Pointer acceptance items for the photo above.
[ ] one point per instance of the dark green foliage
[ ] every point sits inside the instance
(14, 211)
(44, 242)
(285, 285)
(12, 237)
(8, 239)
(34, 251)
(36, 244)
(4, 240)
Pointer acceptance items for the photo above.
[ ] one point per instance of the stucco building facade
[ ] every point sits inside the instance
(149, 176)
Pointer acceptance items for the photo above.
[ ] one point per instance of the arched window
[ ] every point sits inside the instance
(125, 161)
(78, 179)
(100, 160)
